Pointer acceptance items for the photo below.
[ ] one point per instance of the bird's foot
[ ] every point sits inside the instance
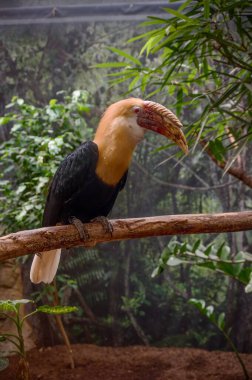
(84, 235)
(107, 226)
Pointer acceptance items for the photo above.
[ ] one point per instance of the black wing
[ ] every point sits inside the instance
(69, 179)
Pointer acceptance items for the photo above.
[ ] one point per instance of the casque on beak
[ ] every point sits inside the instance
(159, 119)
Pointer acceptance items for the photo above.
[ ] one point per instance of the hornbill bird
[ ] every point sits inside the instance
(87, 182)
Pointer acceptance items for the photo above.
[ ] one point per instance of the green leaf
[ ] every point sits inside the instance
(219, 251)
(206, 9)
(180, 15)
(53, 102)
(199, 304)
(152, 44)
(225, 96)
(208, 250)
(141, 36)
(221, 321)
(5, 120)
(247, 256)
(157, 271)
(248, 288)
(174, 261)
(209, 312)
(11, 305)
(125, 55)
(20, 101)
(109, 65)
(217, 148)
(56, 309)
(184, 5)
(133, 83)
(196, 245)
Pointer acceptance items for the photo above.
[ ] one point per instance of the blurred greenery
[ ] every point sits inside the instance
(39, 138)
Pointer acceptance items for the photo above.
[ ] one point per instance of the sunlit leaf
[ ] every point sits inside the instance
(180, 15)
(11, 305)
(174, 261)
(221, 321)
(125, 55)
(4, 120)
(107, 65)
(246, 255)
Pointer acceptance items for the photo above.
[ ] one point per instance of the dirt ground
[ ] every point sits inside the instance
(131, 363)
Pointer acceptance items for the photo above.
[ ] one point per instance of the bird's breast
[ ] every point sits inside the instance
(112, 165)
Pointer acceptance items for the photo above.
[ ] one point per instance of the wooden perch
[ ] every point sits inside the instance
(42, 239)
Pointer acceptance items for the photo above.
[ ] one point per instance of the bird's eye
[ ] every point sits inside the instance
(136, 109)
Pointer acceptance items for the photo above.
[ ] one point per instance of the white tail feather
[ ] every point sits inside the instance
(44, 266)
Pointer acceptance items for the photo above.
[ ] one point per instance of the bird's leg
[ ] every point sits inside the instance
(107, 226)
(84, 235)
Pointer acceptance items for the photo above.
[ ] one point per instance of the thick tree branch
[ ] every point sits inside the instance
(31, 241)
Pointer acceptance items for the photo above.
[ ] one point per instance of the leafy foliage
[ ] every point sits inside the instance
(11, 309)
(219, 322)
(203, 51)
(39, 138)
(217, 258)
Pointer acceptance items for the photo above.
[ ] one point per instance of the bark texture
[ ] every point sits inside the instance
(42, 239)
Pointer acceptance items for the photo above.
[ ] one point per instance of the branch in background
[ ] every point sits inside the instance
(43, 239)
(236, 171)
(138, 329)
(178, 185)
(180, 162)
(61, 327)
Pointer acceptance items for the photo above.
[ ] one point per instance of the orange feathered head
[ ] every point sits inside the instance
(134, 116)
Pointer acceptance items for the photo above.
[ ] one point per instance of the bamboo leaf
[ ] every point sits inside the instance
(109, 65)
(233, 159)
(184, 5)
(206, 9)
(230, 91)
(141, 36)
(122, 53)
(180, 15)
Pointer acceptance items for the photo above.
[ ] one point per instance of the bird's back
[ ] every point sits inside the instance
(76, 190)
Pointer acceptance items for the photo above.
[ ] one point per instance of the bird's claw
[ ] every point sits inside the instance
(84, 235)
(106, 224)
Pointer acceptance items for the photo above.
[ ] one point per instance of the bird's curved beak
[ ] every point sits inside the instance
(159, 119)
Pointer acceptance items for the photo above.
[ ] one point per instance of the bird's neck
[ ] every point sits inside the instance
(115, 153)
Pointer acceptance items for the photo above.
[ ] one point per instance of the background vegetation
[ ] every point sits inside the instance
(196, 61)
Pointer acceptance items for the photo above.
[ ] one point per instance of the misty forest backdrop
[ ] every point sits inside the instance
(59, 96)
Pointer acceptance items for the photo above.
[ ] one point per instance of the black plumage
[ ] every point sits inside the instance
(77, 191)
